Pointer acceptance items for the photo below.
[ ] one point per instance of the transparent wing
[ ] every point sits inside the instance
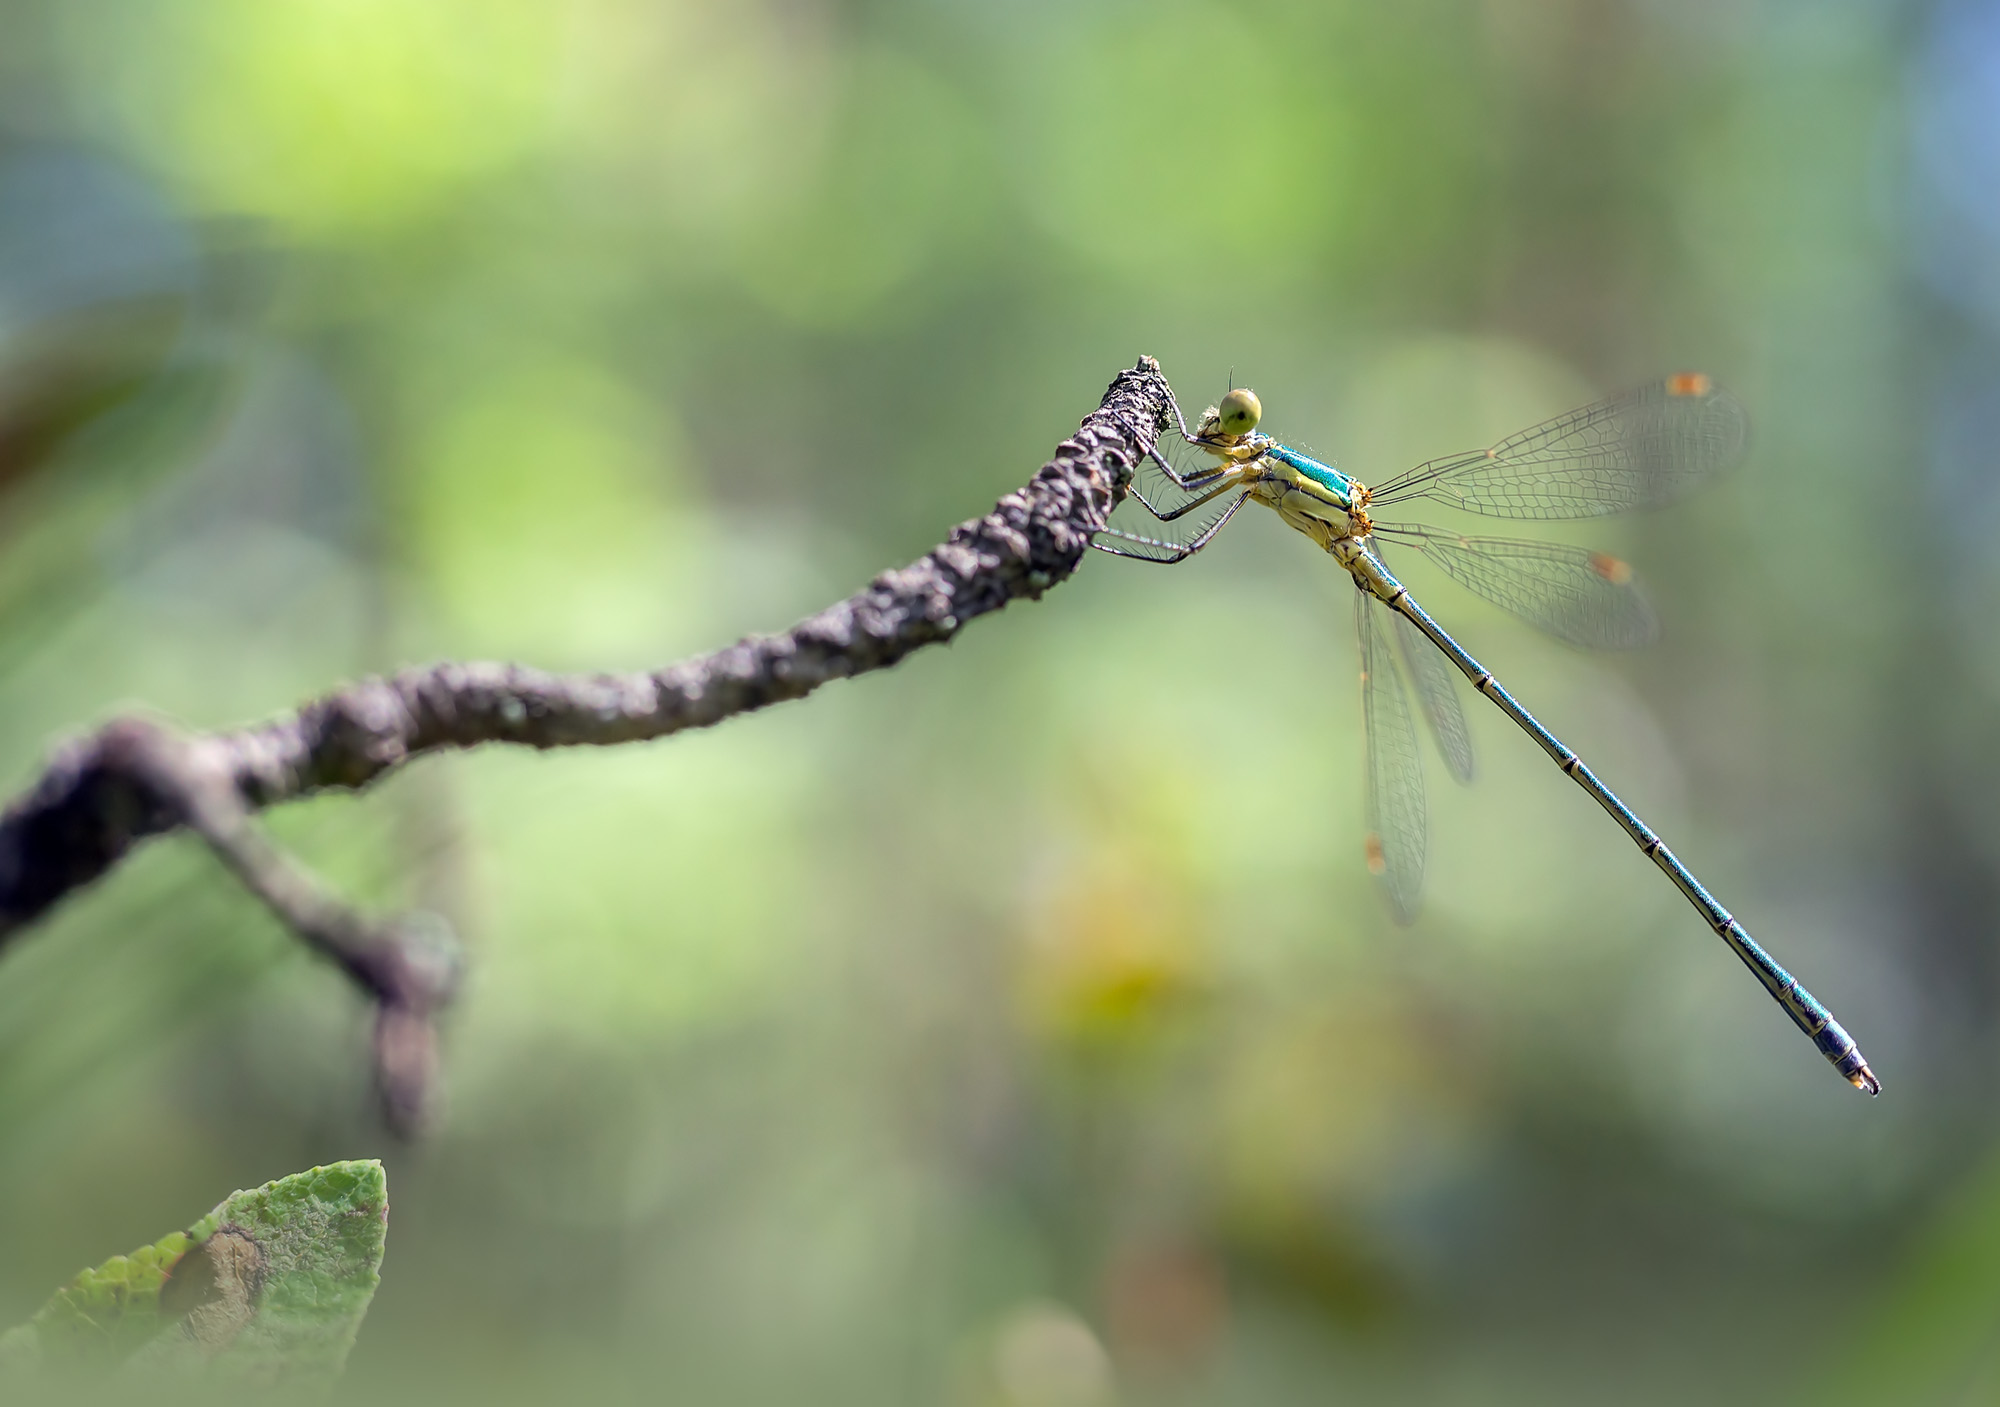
(1134, 532)
(1637, 450)
(1587, 598)
(1437, 694)
(1172, 507)
(1174, 473)
(1396, 820)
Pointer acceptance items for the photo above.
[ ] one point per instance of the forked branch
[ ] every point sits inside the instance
(101, 794)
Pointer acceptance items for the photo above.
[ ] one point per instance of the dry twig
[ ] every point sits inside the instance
(136, 777)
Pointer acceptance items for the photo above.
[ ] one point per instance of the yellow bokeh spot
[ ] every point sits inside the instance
(1111, 957)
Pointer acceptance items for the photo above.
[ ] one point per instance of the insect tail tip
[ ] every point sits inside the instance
(1865, 1081)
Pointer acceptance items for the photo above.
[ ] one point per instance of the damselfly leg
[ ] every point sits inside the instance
(1637, 450)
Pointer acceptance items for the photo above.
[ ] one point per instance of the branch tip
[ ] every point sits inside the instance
(137, 776)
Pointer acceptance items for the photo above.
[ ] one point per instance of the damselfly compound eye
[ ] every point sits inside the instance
(1241, 410)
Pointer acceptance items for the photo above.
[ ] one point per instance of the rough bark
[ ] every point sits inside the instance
(103, 793)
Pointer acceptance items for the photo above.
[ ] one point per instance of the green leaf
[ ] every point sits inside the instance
(269, 1288)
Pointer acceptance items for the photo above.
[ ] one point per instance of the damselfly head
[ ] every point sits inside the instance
(1239, 412)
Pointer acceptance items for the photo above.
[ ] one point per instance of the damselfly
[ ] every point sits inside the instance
(1637, 450)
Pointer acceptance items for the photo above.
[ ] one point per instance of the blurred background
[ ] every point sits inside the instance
(1018, 1028)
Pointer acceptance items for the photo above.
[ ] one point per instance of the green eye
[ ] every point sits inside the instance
(1241, 410)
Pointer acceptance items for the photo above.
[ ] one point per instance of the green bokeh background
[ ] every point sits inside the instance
(1017, 1028)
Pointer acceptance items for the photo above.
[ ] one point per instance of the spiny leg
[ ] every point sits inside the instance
(1223, 480)
(1192, 483)
(1168, 554)
(1180, 420)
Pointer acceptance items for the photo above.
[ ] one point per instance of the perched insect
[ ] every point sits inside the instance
(1632, 451)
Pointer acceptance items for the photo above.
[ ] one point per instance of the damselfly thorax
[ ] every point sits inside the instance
(1307, 505)
(1643, 448)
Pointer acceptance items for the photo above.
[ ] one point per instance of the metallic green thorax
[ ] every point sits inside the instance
(1636, 450)
(1325, 475)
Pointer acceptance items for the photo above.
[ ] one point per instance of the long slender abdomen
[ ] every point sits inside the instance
(1805, 1010)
